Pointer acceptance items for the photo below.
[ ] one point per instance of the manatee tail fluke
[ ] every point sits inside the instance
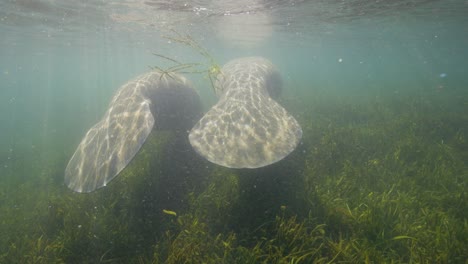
(152, 99)
(246, 128)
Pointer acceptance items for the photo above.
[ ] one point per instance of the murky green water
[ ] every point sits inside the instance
(380, 175)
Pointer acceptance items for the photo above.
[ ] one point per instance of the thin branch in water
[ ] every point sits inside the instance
(167, 58)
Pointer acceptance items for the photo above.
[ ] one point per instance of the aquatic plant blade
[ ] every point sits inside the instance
(155, 99)
(246, 128)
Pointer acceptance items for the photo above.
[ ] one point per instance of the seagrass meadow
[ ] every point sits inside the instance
(379, 180)
(379, 89)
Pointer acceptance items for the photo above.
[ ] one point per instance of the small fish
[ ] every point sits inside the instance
(169, 212)
(442, 75)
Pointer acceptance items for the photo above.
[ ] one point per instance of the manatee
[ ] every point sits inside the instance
(155, 100)
(246, 128)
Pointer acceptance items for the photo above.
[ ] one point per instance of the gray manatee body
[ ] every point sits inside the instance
(150, 101)
(246, 128)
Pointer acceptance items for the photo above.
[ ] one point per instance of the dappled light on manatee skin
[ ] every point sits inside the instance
(246, 128)
(155, 99)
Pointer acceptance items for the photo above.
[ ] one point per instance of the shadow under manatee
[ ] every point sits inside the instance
(267, 192)
(174, 171)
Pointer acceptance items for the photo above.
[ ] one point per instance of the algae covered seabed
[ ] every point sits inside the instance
(379, 178)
